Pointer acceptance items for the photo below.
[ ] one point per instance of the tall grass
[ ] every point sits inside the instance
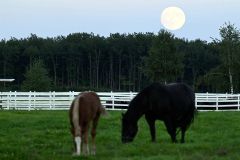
(45, 135)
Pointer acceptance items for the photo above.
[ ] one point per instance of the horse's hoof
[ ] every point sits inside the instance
(174, 141)
(75, 154)
(85, 153)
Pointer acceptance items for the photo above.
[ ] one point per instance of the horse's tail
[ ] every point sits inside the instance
(192, 111)
(187, 119)
(190, 116)
(74, 115)
(71, 118)
(103, 111)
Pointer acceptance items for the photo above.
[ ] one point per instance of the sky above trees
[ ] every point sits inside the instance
(50, 18)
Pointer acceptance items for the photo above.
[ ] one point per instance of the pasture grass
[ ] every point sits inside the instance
(44, 135)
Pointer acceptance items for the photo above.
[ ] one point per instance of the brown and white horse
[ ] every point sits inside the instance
(84, 110)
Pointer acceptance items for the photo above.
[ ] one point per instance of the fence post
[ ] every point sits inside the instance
(238, 102)
(34, 99)
(1, 103)
(112, 98)
(9, 100)
(71, 96)
(195, 100)
(131, 95)
(217, 102)
(29, 101)
(50, 100)
(53, 99)
(15, 100)
(207, 96)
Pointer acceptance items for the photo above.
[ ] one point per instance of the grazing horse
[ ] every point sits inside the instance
(174, 104)
(84, 110)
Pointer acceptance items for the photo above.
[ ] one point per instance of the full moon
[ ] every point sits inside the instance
(173, 18)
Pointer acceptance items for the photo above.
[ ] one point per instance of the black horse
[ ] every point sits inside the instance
(174, 104)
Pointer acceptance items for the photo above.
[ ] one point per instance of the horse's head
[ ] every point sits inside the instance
(129, 129)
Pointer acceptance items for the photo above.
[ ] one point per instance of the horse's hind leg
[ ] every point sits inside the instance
(77, 140)
(183, 129)
(151, 123)
(171, 130)
(85, 141)
(93, 134)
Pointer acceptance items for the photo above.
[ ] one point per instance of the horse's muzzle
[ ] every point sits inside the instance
(127, 139)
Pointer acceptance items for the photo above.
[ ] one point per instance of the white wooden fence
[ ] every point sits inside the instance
(59, 100)
(111, 100)
(217, 102)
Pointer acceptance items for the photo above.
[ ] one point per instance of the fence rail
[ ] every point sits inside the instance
(111, 100)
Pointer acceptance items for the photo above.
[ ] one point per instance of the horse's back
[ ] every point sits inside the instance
(181, 95)
(89, 100)
(86, 106)
(172, 100)
(89, 105)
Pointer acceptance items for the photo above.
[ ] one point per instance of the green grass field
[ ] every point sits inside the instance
(45, 135)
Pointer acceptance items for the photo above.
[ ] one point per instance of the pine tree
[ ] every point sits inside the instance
(163, 64)
(36, 78)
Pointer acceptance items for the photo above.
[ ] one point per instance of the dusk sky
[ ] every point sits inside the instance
(50, 18)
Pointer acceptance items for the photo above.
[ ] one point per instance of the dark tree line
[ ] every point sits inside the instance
(122, 62)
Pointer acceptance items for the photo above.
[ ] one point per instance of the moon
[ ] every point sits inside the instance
(173, 18)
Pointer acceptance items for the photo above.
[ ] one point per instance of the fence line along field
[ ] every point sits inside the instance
(45, 135)
(111, 100)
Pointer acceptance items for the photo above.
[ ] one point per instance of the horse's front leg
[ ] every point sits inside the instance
(151, 123)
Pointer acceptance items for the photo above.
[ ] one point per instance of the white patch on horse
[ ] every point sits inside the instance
(77, 129)
(78, 145)
(75, 116)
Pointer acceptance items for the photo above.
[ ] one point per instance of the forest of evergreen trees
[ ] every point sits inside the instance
(121, 62)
